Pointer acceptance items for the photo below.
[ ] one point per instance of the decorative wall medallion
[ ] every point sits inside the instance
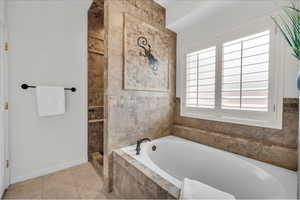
(146, 56)
(146, 52)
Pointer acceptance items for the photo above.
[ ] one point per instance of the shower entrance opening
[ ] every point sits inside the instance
(96, 84)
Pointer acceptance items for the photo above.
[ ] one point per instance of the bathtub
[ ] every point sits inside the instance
(176, 158)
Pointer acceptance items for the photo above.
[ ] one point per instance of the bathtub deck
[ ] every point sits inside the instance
(129, 174)
(164, 169)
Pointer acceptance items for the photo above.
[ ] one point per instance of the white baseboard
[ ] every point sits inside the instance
(47, 170)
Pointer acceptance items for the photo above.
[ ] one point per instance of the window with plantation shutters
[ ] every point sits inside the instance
(200, 78)
(237, 77)
(245, 73)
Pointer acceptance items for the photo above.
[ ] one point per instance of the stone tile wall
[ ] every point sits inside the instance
(95, 140)
(132, 115)
(133, 180)
(95, 77)
(95, 80)
(278, 147)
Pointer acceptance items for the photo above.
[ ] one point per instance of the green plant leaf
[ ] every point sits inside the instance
(289, 26)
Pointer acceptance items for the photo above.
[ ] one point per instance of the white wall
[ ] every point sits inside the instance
(2, 11)
(48, 46)
(207, 25)
(2, 136)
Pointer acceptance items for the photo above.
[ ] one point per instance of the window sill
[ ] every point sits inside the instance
(274, 124)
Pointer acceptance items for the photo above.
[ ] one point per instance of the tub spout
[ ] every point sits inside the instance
(138, 145)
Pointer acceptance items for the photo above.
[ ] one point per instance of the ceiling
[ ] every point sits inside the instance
(184, 13)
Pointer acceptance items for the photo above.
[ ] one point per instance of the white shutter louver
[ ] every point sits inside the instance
(200, 78)
(245, 73)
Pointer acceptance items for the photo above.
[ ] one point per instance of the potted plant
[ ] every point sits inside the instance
(289, 25)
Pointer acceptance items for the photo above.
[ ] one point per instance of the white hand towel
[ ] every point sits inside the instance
(192, 189)
(50, 100)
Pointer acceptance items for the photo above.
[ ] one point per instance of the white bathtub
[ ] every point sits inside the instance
(176, 158)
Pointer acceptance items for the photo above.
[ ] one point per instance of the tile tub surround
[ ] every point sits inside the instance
(278, 147)
(131, 115)
(133, 180)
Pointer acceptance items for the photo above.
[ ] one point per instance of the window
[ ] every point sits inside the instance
(245, 73)
(236, 79)
(200, 78)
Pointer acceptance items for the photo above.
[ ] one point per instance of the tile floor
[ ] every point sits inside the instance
(79, 182)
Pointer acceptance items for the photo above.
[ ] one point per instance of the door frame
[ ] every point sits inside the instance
(4, 101)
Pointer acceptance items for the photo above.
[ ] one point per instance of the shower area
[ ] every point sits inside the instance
(96, 84)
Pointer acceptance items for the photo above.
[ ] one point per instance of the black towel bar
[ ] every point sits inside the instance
(25, 86)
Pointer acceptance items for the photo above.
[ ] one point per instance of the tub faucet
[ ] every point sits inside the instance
(138, 145)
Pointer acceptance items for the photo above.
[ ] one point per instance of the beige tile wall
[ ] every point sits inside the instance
(95, 77)
(132, 180)
(278, 147)
(132, 115)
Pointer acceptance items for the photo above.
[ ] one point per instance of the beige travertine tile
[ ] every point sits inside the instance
(30, 189)
(133, 180)
(275, 146)
(80, 182)
(277, 155)
(85, 172)
(87, 182)
(96, 61)
(60, 185)
(133, 114)
(285, 137)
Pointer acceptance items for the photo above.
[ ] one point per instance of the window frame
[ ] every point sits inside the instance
(270, 119)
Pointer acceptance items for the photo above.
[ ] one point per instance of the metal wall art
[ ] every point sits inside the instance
(146, 52)
(146, 56)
